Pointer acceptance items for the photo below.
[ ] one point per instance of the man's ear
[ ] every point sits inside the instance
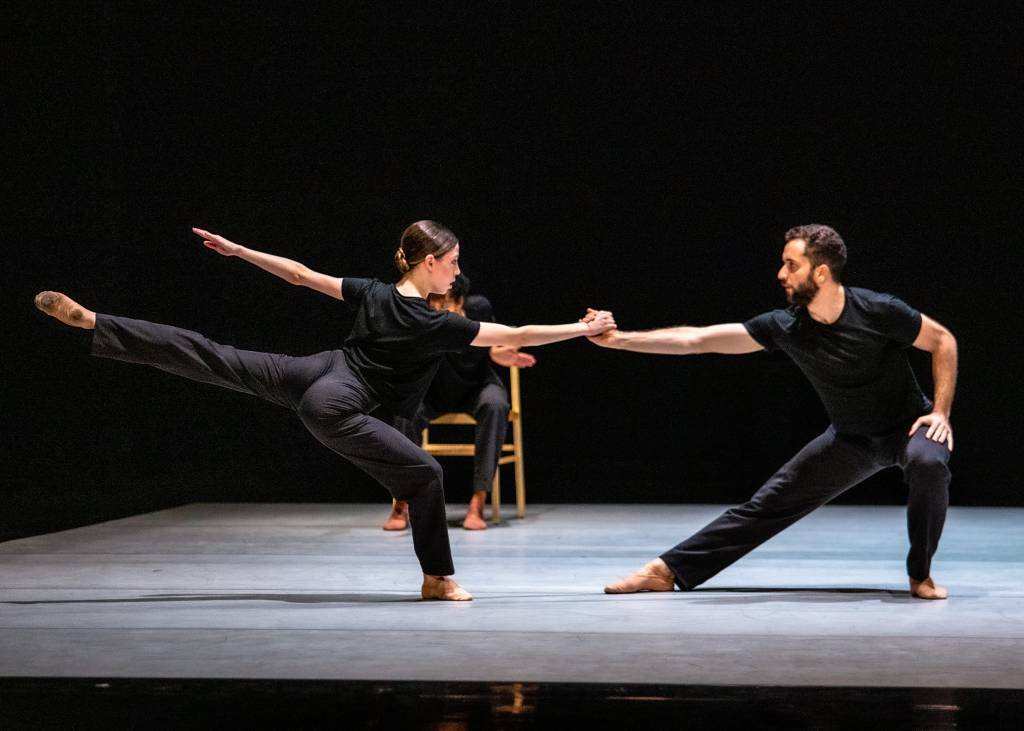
(822, 273)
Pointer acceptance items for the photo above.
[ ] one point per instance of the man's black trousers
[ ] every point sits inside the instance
(829, 465)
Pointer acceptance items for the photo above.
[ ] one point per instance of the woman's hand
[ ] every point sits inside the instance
(218, 243)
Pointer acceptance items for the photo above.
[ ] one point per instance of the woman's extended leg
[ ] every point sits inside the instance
(280, 379)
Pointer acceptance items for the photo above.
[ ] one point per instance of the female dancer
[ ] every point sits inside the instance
(389, 358)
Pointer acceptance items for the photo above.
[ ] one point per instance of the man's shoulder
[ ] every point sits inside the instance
(783, 316)
(875, 303)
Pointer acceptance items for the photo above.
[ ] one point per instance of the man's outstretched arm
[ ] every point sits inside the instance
(937, 340)
(730, 339)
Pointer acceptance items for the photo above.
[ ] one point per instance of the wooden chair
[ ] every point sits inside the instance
(510, 453)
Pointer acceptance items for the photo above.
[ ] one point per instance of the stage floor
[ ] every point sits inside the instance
(318, 591)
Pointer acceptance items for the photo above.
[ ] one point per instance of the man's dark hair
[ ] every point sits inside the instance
(460, 287)
(824, 246)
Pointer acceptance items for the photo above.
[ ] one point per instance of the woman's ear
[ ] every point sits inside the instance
(429, 260)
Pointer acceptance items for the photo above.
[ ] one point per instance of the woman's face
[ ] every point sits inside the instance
(443, 270)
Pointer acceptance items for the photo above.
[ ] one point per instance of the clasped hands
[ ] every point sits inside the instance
(599, 322)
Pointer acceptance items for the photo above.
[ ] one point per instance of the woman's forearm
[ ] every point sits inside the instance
(287, 269)
(544, 334)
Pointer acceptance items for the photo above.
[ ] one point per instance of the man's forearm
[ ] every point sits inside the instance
(681, 340)
(944, 368)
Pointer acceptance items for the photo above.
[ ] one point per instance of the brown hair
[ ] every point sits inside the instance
(824, 246)
(420, 240)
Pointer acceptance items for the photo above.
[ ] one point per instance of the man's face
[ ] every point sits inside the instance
(797, 275)
(445, 302)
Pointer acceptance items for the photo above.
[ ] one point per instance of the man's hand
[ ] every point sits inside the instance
(218, 243)
(511, 357)
(939, 428)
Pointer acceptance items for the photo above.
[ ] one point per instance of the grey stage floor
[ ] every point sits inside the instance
(319, 591)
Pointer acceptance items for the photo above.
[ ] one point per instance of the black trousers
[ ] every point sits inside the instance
(829, 465)
(328, 398)
(489, 406)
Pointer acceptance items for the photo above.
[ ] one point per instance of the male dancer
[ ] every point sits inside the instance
(850, 343)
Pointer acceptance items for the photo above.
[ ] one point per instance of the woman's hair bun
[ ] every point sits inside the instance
(400, 263)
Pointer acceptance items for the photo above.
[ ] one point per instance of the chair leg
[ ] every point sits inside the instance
(517, 439)
(496, 497)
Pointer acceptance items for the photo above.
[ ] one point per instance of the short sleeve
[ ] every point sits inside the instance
(457, 332)
(354, 288)
(902, 322)
(763, 329)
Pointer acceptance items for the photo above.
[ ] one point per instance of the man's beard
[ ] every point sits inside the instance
(803, 293)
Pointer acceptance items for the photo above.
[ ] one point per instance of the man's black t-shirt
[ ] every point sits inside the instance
(858, 364)
(397, 342)
(465, 372)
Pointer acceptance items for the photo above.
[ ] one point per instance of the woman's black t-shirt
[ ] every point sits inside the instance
(858, 364)
(396, 342)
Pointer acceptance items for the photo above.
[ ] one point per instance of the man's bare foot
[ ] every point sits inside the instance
(927, 589)
(654, 576)
(66, 310)
(443, 588)
(399, 518)
(475, 514)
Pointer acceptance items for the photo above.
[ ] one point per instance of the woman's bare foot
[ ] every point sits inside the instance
(443, 588)
(927, 589)
(654, 576)
(475, 514)
(399, 518)
(66, 310)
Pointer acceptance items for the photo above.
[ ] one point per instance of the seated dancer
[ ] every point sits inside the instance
(465, 381)
(850, 343)
(388, 358)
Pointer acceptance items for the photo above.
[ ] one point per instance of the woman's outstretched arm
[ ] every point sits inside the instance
(289, 270)
(595, 322)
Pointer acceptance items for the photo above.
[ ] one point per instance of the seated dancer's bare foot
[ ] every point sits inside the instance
(654, 576)
(66, 310)
(475, 514)
(443, 588)
(927, 589)
(399, 518)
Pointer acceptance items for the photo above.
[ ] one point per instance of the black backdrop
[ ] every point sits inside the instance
(643, 159)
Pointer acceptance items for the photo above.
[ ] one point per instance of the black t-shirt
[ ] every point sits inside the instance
(464, 372)
(858, 364)
(397, 342)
